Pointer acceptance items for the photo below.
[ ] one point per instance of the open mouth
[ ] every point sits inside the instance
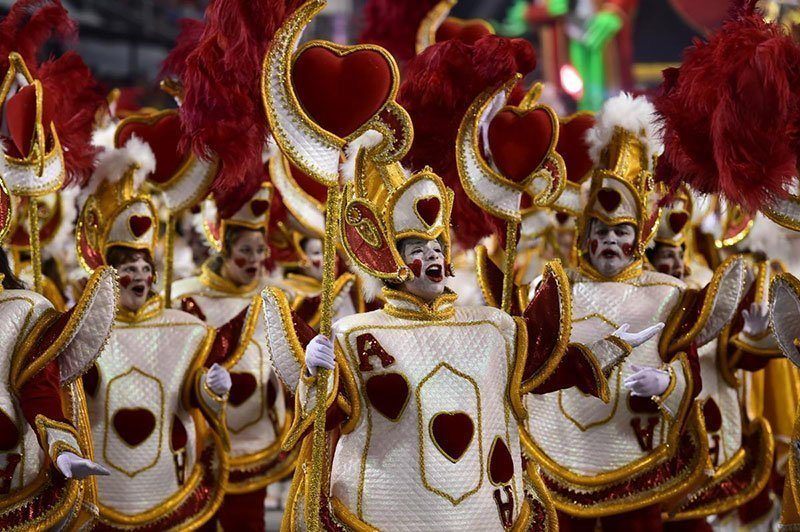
(609, 254)
(138, 290)
(251, 271)
(435, 273)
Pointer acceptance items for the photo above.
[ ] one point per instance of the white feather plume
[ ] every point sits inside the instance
(112, 164)
(368, 139)
(103, 137)
(62, 244)
(634, 114)
(371, 287)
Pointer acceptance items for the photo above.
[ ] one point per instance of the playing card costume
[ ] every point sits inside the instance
(155, 422)
(629, 455)
(425, 400)
(43, 352)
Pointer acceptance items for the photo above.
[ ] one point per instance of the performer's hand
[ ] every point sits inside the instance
(557, 8)
(602, 27)
(756, 319)
(73, 466)
(218, 379)
(319, 354)
(637, 339)
(647, 381)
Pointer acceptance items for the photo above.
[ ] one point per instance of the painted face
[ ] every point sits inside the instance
(426, 260)
(135, 281)
(669, 260)
(246, 260)
(611, 248)
(312, 247)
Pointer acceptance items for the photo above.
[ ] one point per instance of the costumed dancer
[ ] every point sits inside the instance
(730, 116)
(423, 401)
(225, 122)
(46, 454)
(646, 445)
(740, 447)
(150, 398)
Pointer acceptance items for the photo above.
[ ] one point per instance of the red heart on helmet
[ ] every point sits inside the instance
(573, 148)
(520, 141)
(677, 221)
(467, 31)
(452, 432)
(259, 207)
(139, 225)
(162, 132)
(342, 89)
(134, 425)
(609, 199)
(428, 209)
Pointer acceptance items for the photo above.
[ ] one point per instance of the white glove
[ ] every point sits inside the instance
(637, 339)
(756, 319)
(73, 466)
(218, 379)
(647, 381)
(319, 354)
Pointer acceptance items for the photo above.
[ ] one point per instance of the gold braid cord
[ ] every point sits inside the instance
(36, 250)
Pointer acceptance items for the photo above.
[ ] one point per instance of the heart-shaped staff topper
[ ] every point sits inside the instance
(162, 132)
(520, 140)
(468, 31)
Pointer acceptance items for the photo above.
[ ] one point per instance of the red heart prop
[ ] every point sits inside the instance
(178, 436)
(467, 31)
(341, 91)
(21, 119)
(609, 199)
(243, 386)
(139, 225)
(562, 218)
(452, 432)
(520, 141)
(259, 207)
(573, 148)
(677, 221)
(428, 210)
(501, 466)
(134, 425)
(388, 393)
(162, 133)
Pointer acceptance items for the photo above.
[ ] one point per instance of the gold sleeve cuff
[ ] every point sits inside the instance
(212, 406)
(56, 437)
(763, 345)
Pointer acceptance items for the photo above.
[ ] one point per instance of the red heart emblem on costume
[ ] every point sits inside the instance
(573, 148)
(9, 433)
(21, 119)
(520, 141)
(609, 199)
(341, 90)
(428, 210)
(677, 221)
(452, 433)
(712, 415)
(243, 386)
(134, 425)
(562, 218)
(162, 133)
(178, 435)
(467, 31)
(389, 394)
(501, 466)
(139, 225)
(259, 207)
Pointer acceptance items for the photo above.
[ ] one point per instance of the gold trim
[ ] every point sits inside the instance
(153, 307)
(211, 279)
(426, 34)
(615, 406)
(439, 309)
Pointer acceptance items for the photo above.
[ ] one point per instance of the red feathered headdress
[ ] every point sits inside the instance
(394, 24)
(731, 112)
(439, 86)
(71, 94)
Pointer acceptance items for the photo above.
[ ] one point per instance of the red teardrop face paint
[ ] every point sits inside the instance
(125, 280)
(593, 246)
(627, 249)
(240, 262)
(416, 268)
(149, 280)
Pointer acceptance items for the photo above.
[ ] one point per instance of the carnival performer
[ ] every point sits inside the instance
(146, 392)
(46, 460)
(644, 445)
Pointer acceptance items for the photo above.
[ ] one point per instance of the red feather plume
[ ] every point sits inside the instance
(186, 43)
(731, 112)
(69, 87)
(440, 84)
(393, 24)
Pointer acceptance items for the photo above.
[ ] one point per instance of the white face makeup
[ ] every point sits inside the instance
(611, 248)
(246, 259)
(135, 281)
(427, 261)
(312, 247)
(669, 260)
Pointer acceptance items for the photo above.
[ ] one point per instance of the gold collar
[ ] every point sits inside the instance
(151, 308)
(630, 272)
(303, 284)
(211, 279)
(409, 307)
